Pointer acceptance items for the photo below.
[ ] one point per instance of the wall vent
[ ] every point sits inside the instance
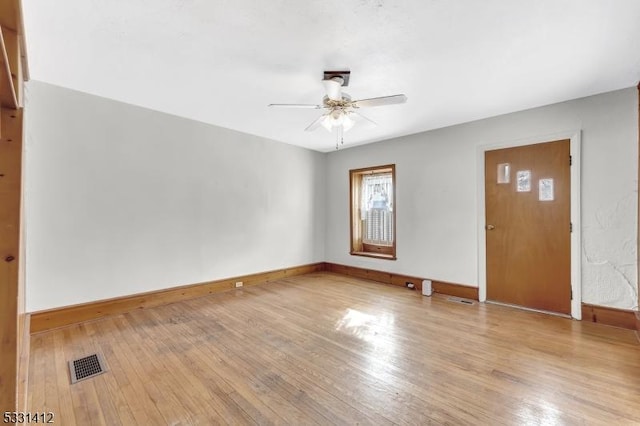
(461, 300)
(87, 367)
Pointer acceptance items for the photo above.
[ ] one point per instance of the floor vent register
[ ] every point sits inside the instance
(87, 367)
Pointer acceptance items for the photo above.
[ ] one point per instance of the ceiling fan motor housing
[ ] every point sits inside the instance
(344, 75)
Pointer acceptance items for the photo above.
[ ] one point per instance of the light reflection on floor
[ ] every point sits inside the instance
(377, 330)
(543, 412)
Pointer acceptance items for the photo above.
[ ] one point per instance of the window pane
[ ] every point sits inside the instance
(372, 206)
(377, 209)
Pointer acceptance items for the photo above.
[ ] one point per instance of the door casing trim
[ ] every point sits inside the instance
(574, 148)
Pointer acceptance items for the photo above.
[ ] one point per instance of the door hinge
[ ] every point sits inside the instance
(570, 227)
(571, 289)
(570, 160)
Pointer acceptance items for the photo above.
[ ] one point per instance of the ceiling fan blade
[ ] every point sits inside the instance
(333, 88)
(357, 115)
(317, 122)
(384, 100)
(309, 106)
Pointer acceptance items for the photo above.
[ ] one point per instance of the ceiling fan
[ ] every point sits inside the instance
(341, 112)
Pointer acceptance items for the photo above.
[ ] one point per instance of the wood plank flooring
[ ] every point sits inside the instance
(329, 349)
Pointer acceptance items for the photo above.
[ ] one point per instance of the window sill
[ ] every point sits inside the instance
(376, 255)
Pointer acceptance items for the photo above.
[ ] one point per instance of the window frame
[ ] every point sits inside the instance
(356, 246)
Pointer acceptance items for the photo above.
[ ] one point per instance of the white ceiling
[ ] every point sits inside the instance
(223, 61)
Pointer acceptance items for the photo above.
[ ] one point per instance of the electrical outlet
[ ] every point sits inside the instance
(238, 284)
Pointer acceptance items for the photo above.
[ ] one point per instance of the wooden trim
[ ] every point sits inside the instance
(14, 324)
(638, 213)
(623, 318)
(458, 290)
(374, 255)
(374, 169)
(378, 249)
(401, 280)
(24, 334)
(23, 365)
(11, 342)
(367, 274)
(24, 61)
(12, 45)
(11, 18)
(356, 246)
(353, 241)
(10, 14)
(637, 314)
(8, 96)
(67, 315)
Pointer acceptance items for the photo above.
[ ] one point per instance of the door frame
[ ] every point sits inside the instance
(574, 150)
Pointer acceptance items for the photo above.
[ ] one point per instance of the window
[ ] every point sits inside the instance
(373, 212)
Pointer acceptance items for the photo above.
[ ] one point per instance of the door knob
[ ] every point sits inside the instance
(490, 227)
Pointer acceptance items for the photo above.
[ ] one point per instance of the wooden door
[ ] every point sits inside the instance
(528, 219)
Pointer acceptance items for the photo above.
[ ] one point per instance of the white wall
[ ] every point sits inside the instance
(122, 200)
(436, 192)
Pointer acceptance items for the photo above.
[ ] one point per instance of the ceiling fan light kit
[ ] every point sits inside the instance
(341, 114)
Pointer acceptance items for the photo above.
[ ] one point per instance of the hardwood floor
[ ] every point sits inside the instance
(330, 349)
